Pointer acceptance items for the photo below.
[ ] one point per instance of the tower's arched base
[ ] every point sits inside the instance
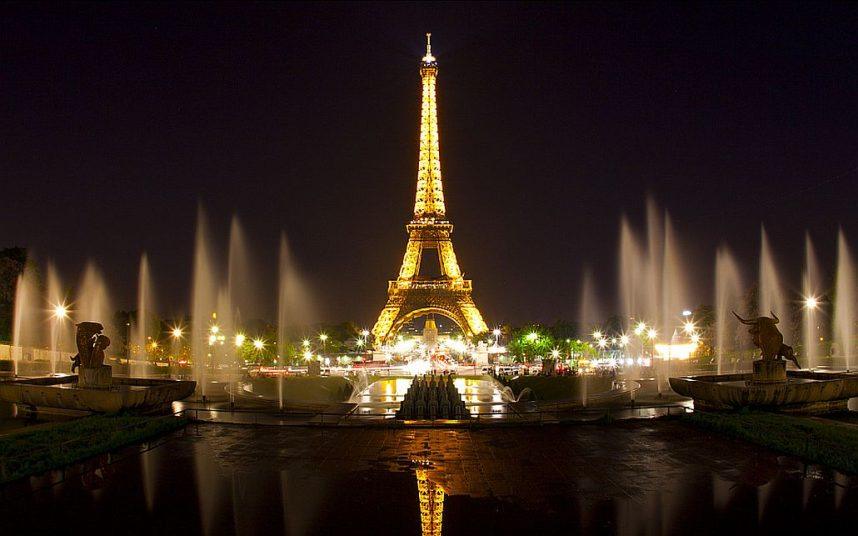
(405, 304)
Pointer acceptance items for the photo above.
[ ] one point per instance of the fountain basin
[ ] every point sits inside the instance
(124, 393)
(803, 391)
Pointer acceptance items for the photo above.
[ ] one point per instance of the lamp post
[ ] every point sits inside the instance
(811, 303)
(324, 338)
(176, 333)
(60, 313)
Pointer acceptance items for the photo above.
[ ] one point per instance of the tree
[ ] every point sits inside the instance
(531, 341)
(12, 262)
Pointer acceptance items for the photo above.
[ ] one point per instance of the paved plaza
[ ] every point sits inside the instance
(642, 477)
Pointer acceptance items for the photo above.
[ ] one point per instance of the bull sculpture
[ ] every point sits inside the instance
(768, 338)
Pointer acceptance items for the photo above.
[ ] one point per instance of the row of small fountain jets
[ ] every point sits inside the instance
(652, 282)
(432, 397)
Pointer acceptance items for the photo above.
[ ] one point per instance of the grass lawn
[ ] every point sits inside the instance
(29, 453)
(828, 443)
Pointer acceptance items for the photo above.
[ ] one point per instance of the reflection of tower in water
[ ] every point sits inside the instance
(431, 498)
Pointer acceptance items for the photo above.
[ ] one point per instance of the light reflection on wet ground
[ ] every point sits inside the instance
(638, 477)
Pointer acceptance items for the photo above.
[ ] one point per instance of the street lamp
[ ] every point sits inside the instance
(258, 344)
(177, 333)
(61, 311)
(688, 327)
(811, 302)
(496, 332)
(597, 335)
(239, 339)
(324, 338)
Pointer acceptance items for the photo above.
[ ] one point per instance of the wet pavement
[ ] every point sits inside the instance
(635, 477)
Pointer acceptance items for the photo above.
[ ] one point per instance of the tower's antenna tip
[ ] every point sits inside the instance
(428, 58)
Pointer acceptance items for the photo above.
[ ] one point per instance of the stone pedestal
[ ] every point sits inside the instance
(769, 371)
(95, 377)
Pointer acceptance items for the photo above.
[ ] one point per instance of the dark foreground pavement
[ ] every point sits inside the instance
(641, 477)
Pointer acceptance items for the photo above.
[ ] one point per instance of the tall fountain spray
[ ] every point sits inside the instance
(728, 297)
(203, 303)
(283, 291)
(811, 285)
(28, 319)
(674, 297)
(631, 280)
(844, 303)
(144, 331)
(282, 295)
(93, 300)
(243, 294)
(653, 289)
(653, 265)
(771, 296)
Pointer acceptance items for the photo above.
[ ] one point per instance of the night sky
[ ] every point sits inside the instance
(117, 120)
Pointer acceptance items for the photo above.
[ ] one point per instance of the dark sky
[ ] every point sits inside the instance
(118, 119)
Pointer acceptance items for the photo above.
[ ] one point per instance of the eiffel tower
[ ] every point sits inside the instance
(412, 295)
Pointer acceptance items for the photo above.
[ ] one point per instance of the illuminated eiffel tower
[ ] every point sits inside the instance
(412, 295)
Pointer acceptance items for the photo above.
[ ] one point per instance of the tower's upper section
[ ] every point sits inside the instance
(429, 203)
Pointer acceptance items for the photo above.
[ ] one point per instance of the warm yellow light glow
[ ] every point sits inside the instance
(675, 351)
(688, 327)
(154, 344)
(652, 333)
(640, 328)
(429, 230)
(496, 332)
(695, 338)
(214, 329)
(428, 58)
(364, 333)
(259, 344)
(602, 343)
(308, 355)
(811, 302)
(429, 202)
(624, 340)
(61, 311)
(532, 336)
(323, 337)
(212, 339)
(177, 332)
(555, 353)
(305, 343)
(597, 334)
(239, 339)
